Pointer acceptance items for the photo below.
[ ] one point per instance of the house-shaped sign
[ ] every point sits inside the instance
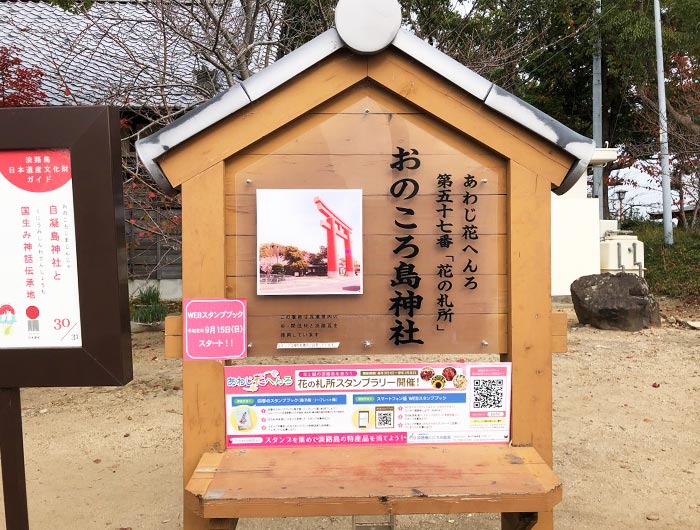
(369, 195)
(367, 180)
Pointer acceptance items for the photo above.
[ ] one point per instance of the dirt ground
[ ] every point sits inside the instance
(626, 440)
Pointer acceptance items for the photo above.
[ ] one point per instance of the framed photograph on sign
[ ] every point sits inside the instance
(309, 241)
(64, 314)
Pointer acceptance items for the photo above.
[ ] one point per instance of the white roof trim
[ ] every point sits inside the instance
(293, 64)
(443, 64)
(367, 26)
(216, 109)
(272, 77)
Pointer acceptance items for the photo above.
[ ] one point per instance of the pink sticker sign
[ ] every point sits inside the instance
(214, 329)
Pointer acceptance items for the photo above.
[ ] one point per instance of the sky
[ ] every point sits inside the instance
(290, 217)
(641, 199)
(644, 197)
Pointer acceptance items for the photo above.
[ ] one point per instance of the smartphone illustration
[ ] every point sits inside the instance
(363, 419)
(243, 419)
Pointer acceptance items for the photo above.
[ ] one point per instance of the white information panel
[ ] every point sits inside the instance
(39, 297)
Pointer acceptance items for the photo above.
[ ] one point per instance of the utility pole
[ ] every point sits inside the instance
(598, 116)
(663, 129)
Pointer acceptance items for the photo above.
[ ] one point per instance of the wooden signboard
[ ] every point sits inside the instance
(432, 245)
(439, 213)
(91, 346)
(64, 314)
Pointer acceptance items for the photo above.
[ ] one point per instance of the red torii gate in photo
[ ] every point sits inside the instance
(336, 227)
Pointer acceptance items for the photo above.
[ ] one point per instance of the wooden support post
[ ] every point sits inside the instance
(223, 524)
(530, 348)
(173, 337)
(203, 276)
(14, 483)
(559, 333)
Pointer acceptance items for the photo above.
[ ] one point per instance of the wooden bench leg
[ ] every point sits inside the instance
(223, 524)
(374, 522)
(527, 521)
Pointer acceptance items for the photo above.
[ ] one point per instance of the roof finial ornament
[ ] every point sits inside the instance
(367, 26)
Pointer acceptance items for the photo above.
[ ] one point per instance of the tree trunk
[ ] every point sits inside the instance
(682, 221)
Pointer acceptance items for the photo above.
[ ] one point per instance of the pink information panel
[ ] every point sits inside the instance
(383, 404)
(214, 329)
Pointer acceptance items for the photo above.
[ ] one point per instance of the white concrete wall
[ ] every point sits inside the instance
(575, 238)
(169, 289)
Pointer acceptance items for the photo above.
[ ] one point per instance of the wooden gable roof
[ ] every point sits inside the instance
(324, 68)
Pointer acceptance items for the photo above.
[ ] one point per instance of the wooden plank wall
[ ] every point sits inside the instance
(348, 144)
(153, 256)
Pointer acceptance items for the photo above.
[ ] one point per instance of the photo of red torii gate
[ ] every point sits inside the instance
(336, 227)
(314, 220)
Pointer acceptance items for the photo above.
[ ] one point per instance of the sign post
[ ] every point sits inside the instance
(64, 313)
(12, 457)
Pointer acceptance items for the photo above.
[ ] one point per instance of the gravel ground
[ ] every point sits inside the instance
(626, 433)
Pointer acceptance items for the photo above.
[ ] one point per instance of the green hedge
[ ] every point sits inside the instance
(675, 270)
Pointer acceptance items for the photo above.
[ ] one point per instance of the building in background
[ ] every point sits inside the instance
(153, 63)
(575, 237)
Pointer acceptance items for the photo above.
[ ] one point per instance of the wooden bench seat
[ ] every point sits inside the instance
(371, 480)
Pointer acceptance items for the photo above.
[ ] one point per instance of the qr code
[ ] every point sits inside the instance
(384, 419)
(488, 394)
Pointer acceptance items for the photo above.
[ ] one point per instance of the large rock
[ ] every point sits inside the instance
(615, 301)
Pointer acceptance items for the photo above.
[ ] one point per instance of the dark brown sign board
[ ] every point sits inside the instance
(91, 134)
(89, 140)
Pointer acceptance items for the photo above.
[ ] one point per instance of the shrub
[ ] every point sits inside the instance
(671, 270)
(147, 307)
